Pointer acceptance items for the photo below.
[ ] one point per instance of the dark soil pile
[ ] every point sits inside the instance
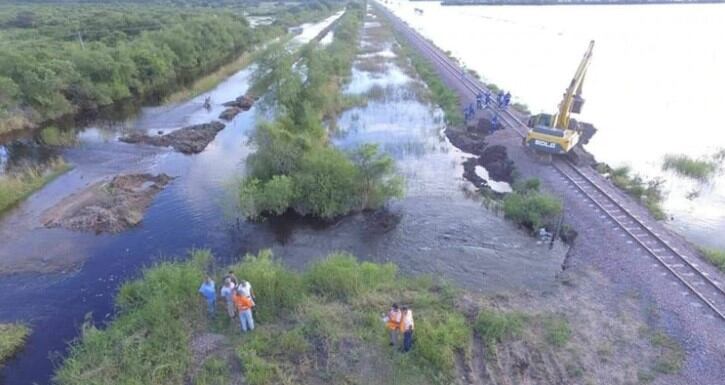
(107, 206)
(187, 140)
(243, 102)
(495, 160)
(230, 113)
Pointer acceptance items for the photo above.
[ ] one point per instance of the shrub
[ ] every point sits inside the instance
(494, 327)
(325, 184)
(557, 330)
(649, 193)
(531, 209)
(376, 181)
(341, 276)
(277, 290)
(699, 169)
(438, 338)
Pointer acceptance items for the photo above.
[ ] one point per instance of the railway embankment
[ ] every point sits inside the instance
(678, 292)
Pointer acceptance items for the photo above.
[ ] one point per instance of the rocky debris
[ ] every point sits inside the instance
(187, 140)
(495, 160)
(230, 113)
(107, 206)
(243, 102)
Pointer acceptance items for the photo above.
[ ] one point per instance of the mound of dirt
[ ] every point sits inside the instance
(107, 206)
(243, 102)
(495, 160)
(187, 140)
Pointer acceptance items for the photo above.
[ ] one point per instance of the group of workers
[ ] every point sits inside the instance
(239, 300)
(238, 296)
(400, 321)
(484, 100)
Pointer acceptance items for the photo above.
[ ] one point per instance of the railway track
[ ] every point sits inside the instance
(680, 266)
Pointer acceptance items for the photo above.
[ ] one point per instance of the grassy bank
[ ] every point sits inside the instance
(16, 187)
(649, 193)
(531, 208)
(12, 338)
(208, 82)
(322, 325)
(716, 257)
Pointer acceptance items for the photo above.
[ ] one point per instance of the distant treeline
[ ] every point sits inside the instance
(570, 2)
(61, 59)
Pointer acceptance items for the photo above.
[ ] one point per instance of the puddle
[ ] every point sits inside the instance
(500, 187)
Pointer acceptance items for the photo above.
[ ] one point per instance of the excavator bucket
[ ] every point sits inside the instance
(576, 105)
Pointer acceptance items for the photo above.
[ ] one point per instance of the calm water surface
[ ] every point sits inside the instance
(655, 85)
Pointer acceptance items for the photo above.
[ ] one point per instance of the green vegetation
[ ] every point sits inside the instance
(670, 357)
(441, 95)
(529, 207)
(61, 59)
(557, 330)
(320, 325)
(12, 338)
(294, 167)
(716, 257)
(648, 193)
(16, 187)
(700, 169)
(495, 327)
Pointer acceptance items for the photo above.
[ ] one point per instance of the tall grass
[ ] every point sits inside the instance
(529, 207)
(495, 327)
(716, 257)
(309, 325)
(18, 186)
(148, 342)
(12, 338)
(700, 169)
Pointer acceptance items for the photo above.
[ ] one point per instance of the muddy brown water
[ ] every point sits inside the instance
(55, 279)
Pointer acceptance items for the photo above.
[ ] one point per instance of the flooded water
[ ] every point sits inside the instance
(655, 85)
(62, 278)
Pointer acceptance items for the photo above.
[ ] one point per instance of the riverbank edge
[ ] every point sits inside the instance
(56, 169)
(13, 337)
(18, 124)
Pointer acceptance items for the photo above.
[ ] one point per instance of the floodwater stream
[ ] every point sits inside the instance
(654, 87)
(56, 279)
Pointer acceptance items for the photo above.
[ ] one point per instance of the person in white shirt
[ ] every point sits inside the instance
(226, 292)
(407, 325)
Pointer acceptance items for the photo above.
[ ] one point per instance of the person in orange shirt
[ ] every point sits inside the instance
(244, 305)
(406, 327)
(392, 322)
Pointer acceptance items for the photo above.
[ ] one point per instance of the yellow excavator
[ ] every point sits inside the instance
(559, 133)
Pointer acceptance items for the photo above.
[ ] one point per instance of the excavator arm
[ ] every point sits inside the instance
(572, 100)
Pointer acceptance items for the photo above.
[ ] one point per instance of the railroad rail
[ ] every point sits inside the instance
(680, 266)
